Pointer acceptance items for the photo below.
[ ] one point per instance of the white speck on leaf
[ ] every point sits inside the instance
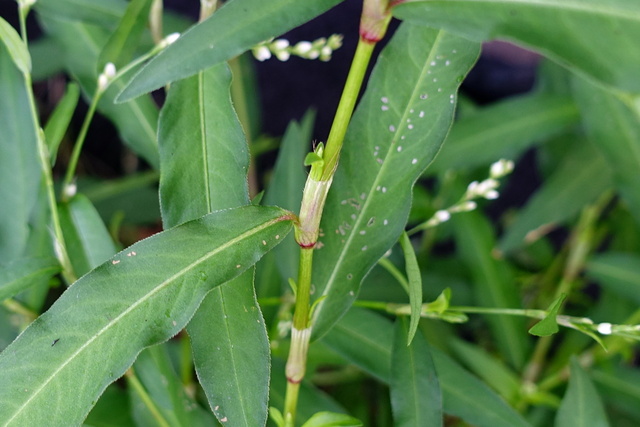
(115, 261)
(414, 161)
(392, 128)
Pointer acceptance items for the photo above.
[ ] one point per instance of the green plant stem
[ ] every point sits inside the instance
(16, 307)
(65, 194)
(22, 16)
(139, 389)
(345, 107)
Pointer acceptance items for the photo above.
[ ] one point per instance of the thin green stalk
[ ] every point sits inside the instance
(139, 389)
(15, 306)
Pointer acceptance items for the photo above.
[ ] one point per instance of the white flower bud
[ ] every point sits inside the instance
(261, 53)
(103, 82)
(442, 215)
(302, 48)
(501, 168)
(170, 39)
(70, 190)
(109, 70)
(325, 53)
(313, 54)
(467, 206)
(283, 55)
(280, 44)
(491, 195)
(335, 41)
(605, 328)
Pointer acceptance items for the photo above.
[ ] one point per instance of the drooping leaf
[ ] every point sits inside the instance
(85, 235)
(395, 133)
(236, 27)
(19, 166)
(615, 131)
(204, 159)
(504, 130)
(331, 419)
(287, 184)
(81, 44)
(580, 178)
(59, 120)
(618, 272)
(104, 321)
(415, 391)
(590, 36)
(123, 41)
(581, 405)
(549, 325)
(15, 47)
(20, 274)
(415, 284)
(493, 283)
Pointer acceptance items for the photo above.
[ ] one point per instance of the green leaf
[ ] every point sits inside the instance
(59, 120)
(591, 36)
(286, 186)
(615, 130)
(209, 172)
(504, 130)
(123, 41)
(103, 314)
(81, 44)
(619, 386)
(618, 272)
(46, 58)
(415, 391)
(581, 177)
(15, 46)
(395, 133)
(87, 239)
(19, 165)
(112, 410)
(20, 274)
(415, 284)
(233, 29)
(364, 339)
(549, 325)
(581, 405)
(154, 370)
(493, 283)
(331, 419)
(104, 13)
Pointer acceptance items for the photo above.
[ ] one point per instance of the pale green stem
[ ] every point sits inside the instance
(139, 389)
(16, 307)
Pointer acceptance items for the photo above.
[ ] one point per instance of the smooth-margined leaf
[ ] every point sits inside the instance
(493, 283)
(20, 274)
(395, 133)
(415, 392)
(581, 405)
(123, 42)
(549, 325)
(236, 27)
(19, 166)
(81, 44)
(414, 279)
(46, 58)
(287, 184)
(112, 410)
(365, 339)
(59, 120)
(15, 47)
(581, 177)
(618, 272)
(142, 296)
(504, 130)
(204, 158)
(590, 36)
(615, 131)
(86, 237)
(332, 419)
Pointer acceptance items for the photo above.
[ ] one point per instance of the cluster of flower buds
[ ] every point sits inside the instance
(321, 48)
(107, 76)
(486, 189)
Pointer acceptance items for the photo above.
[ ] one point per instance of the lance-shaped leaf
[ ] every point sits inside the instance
(204, 158)
(504, 130)
(15, 47)
(236, 27)
(104, 13)
(59, 120)
(415, 391)
(618, 272)
(396, 131)
(142, 296)
(20, 274)
(615, 130)
(581, 405)
(590, 36)
(19, 167)
(415, 283)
